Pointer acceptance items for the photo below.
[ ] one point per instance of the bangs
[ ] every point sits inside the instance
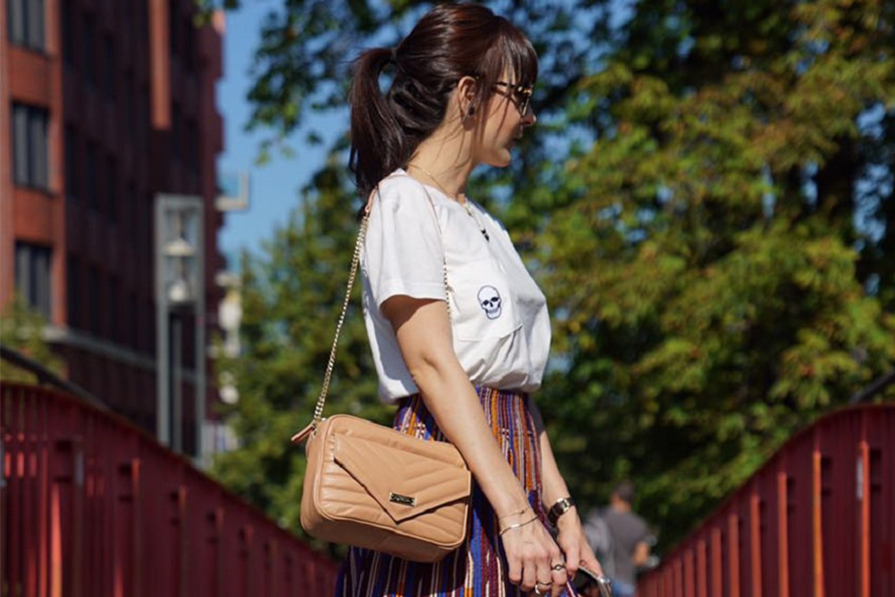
(517, 55)
(510, 55)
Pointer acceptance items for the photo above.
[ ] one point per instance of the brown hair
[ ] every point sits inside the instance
(451, 41)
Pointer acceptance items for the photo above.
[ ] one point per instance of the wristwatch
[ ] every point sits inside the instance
(559, 508)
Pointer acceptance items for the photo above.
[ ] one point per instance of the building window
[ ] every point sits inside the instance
(93, 306)
(26, 23)
(143, 115)
(29, 142)
(173, 32)
(88, 36)
(73, 291)
(112, 308)
(112, 199)
(109, 68)
(192, 145)
(176, 132)
(131, 321)
(129, 111)
(72, 171)
(189, 45)
(91, 169)
(33, 275)
(68, 34)
(129, 210)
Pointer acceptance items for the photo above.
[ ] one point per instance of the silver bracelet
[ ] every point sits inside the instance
(518, 525)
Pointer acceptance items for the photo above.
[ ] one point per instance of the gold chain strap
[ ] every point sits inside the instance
(355, 260)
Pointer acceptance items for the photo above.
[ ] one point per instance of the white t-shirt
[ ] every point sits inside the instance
(499, 319)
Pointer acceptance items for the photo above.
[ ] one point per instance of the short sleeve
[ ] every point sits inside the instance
(403, 252)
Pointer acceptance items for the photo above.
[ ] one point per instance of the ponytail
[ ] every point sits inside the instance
(377, 141)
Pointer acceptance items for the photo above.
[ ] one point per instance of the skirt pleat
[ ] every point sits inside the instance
(478, 568)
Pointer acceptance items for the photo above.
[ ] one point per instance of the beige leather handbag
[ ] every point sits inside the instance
(371, 486)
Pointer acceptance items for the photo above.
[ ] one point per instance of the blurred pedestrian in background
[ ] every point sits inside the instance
(620, 538)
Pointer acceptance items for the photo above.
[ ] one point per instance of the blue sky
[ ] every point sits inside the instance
(274, 186)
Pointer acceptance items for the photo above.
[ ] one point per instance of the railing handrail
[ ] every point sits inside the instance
(86, 442)
(47, 377)
(874, 388)
(771, 481)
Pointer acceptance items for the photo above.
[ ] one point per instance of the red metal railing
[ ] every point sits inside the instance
(92, 506)
(817, 519)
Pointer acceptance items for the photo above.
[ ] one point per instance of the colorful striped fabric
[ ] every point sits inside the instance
(478, 569)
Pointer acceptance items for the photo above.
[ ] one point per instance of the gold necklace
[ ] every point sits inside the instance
(464, 203)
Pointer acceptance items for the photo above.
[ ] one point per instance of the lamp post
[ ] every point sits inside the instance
(180, 289)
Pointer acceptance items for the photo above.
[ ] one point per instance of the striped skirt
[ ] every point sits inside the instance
(478, 568)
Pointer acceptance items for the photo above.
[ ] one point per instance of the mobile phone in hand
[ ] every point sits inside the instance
(588, 584)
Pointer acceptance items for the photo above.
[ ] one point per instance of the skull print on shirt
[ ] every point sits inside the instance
(489, 301)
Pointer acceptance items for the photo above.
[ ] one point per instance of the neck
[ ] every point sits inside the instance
(621, 505)
(431, 163)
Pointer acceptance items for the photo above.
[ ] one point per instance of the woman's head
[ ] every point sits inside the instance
(453, 44)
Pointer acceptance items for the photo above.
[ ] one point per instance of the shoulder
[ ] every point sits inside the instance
(637, 522)
(396, 186)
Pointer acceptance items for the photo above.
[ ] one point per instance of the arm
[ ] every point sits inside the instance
(641, 554)
(423, 332)
(571, 537)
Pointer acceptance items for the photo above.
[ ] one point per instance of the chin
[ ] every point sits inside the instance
(500, 160)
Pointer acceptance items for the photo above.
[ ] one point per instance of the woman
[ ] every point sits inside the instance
(459, 330)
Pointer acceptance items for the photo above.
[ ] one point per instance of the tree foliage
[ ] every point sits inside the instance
(707, 202)
(21, 329)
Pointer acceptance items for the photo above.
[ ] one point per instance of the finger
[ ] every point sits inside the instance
(559, 582)
(557, 590)
(591, 564)
(544, 574)
(589, 560)
(514, 574)
(573, 556)
(529, 576)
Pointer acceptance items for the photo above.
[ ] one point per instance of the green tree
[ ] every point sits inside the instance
(292, 297)
(706, 201)
(708, 272)
(21, 329)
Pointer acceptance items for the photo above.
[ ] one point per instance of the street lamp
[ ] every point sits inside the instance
(180, 289)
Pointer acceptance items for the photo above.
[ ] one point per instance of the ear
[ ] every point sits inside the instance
(466, 89)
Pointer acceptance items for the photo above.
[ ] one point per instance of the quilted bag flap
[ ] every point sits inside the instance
(403, 484)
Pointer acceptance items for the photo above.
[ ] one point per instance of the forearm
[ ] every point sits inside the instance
(553, 485)
(423, 333)
(452, 400)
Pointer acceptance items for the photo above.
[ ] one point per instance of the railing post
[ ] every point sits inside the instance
(70, 471)
(755, 522)
(129, 472)
(863, 494)
(782, 534)
(816, 515)
(215, 517)
(733, 554)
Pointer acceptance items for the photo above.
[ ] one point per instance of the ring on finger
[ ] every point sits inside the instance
(558, 567)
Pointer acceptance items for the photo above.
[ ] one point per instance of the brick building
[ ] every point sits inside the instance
(103, 104)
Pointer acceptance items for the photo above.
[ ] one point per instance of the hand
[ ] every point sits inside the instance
(534, 558)
(573, 542)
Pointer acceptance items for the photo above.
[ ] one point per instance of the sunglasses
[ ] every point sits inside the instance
(520, 95)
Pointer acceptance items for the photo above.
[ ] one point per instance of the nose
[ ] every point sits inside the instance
(529, 118)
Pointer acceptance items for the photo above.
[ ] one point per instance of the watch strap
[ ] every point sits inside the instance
(560, 507)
